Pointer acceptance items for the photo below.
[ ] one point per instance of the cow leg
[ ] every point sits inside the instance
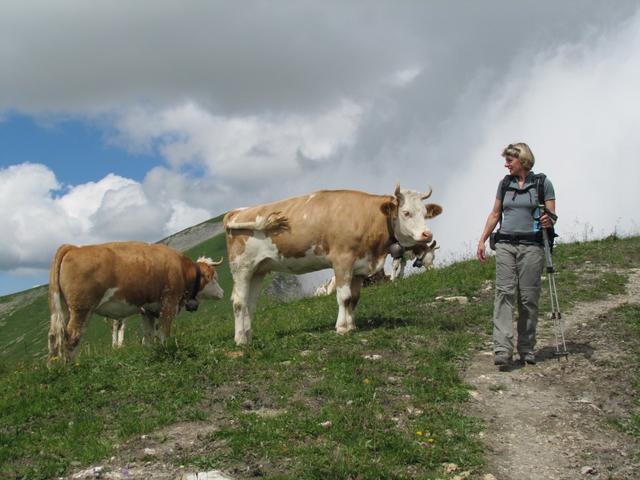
(117, 332)
(168, 310)
(241, 298)
(149, 326)
(356, 287)
(75, 329)
(121, 332)
(344, 276)
(114, 332)
(254, 293)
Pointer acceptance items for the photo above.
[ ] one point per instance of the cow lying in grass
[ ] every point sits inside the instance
(424, 254)
(117, 280)
(329, 286)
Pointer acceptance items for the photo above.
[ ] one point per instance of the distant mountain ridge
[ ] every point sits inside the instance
(192, 236)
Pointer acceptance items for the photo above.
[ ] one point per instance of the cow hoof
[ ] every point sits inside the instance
(343, 331)
(244, 339)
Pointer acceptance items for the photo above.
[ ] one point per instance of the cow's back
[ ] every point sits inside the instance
(326, 222)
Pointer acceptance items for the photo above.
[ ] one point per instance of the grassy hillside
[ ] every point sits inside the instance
(391, 391)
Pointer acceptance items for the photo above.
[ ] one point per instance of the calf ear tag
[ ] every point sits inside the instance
(192, 305)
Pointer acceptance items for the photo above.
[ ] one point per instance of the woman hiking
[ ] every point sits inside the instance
(519, 252)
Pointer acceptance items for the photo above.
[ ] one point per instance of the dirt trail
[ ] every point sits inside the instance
(549, 421)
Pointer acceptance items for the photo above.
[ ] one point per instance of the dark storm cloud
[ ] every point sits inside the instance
(257, 56)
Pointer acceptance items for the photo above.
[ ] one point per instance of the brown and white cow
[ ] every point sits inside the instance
(346, 230)
(117, 280)
(423, 252)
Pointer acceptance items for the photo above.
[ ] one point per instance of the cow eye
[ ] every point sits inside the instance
(406, 214)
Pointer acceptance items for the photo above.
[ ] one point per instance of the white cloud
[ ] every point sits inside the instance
(245, 149)
(82, 201)
(40, 217)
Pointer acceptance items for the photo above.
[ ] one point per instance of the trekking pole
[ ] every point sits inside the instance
(556, 316)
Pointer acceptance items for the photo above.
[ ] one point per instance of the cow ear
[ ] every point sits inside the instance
(398, 193)
(433, 210)
(388, 208)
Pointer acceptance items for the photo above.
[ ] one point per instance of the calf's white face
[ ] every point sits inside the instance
(212, 289)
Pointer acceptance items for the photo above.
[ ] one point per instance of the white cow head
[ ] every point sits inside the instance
(408, 221)
(212, 288)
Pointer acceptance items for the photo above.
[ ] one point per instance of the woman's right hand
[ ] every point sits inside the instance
(480, 253)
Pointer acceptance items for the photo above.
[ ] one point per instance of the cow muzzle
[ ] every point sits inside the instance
(426, 236)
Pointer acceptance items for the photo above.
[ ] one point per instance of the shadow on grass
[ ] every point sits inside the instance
(379, 321)
(362, 324)
(308, 329)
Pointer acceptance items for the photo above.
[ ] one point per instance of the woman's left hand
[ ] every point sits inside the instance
(545, 221)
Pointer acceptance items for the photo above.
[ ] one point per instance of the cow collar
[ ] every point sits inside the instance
(393, 245)
(192, 303)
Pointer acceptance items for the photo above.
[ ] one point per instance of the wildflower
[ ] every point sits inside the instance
(431, 440)
(419, 433)
(366, 381)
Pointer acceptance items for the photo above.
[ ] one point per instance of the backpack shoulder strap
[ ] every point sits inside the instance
(540, 178)
(504, 185)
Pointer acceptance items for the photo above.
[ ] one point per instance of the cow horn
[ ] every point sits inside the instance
(397, 192)
(215, 264)
(427, 195)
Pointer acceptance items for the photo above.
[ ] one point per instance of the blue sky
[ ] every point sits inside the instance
(78, 151)
(135, 120)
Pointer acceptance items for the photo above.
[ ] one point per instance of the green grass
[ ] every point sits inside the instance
(626, 320)
(400, 416)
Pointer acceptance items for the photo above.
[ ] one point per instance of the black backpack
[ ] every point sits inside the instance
(538, 184)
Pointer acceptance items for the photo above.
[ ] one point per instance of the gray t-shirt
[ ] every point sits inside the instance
(520, 207)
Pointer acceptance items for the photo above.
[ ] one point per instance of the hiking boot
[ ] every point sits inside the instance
(502, 359)
(528, 357)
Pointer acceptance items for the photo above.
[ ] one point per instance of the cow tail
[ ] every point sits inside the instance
(274, 222)
(59, 311)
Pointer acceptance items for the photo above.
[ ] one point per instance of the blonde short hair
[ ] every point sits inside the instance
(522, 152)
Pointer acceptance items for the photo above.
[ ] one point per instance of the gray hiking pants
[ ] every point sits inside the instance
(518, 271)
